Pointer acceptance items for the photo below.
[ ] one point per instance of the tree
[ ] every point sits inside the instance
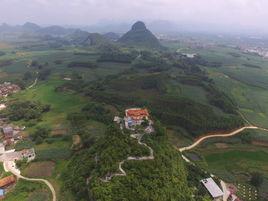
(256, 179)
(40, 134)
(145, 122)
(27, 76)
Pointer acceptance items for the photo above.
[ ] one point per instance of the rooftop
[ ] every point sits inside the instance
(135, 112)
(212, 187)
(7, 181)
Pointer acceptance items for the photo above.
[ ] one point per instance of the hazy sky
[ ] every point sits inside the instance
(249, 14)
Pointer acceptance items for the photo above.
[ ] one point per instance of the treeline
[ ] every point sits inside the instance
(196, 118)
(26, 110)
(215, 97)
(112, 53)
(81, 64)
(220, 99)
(151, 61)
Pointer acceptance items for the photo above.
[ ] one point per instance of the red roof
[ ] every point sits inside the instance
(137, 113)
(7, 181)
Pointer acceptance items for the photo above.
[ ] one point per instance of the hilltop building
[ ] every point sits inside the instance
(135, 116)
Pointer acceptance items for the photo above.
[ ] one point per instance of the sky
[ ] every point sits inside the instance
(221, 14)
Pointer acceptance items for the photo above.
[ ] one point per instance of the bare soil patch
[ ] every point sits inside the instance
(221, 145)
(39, 169)
(260, 143)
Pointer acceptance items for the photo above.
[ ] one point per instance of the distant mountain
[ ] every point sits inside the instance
(28, 26)
(56, 30)
(139, 35)
(80, 37)
(96, 39)
(111, 36)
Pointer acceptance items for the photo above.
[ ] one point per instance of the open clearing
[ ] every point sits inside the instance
(39, 169)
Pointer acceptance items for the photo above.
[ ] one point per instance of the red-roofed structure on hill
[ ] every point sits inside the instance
(135, 116)
(137, 113)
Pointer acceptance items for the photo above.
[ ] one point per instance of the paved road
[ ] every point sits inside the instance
(10, 166)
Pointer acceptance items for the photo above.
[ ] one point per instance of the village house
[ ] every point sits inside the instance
(11, 133)
(213, 189)
(8, 132)
(29, 154)
(2, 194)
(8, 88)
(7, 181)
(135, 116)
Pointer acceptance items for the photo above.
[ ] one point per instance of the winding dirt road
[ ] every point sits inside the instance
(131, 158)
(199, 141)
(34, 83)
(10, 166)
(44, 181)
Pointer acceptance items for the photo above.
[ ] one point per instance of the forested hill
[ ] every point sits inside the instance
(139, 35)
(163, 178)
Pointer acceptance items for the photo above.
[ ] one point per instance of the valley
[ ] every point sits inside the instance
(71, 86)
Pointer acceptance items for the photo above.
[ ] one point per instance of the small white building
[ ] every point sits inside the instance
(117, 119)
(2, 106)
(2, 148)
(213, 189)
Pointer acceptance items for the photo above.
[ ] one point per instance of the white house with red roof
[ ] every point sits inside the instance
(135, 116)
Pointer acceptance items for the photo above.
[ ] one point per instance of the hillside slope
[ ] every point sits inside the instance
(139, 35)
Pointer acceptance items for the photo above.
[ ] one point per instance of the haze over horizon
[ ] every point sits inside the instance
(209, 15)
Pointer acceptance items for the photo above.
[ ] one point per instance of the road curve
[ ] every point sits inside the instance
(131, 158)
(11, 168)
(199, 141)
(44, 181)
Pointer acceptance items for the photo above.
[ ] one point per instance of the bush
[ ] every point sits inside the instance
(26, 110)
(40, 134)
(256, 179)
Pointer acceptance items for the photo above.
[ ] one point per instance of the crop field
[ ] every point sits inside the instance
(39, 169)
(61, 103)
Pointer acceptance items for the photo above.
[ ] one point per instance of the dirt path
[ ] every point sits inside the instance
(220, 135)
(35, 81)
(131, 158)
(44, 181)
(10, 166)
(32, 85)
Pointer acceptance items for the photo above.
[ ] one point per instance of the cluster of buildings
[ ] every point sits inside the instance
(8, 88)
(262, 52)
(11, 134)
(135, 117)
